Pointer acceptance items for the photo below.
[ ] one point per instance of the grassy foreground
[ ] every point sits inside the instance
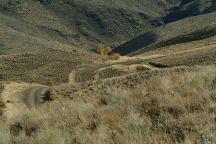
(176, 108)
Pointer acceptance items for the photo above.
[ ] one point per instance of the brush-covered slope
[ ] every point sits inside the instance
(47, 67)
(77, 22)
(85, 24)
(185, 30)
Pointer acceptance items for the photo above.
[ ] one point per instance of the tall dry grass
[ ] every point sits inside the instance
(176, 108)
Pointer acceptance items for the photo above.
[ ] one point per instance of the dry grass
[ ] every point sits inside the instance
(2, 105)
(11, 98)
(47, 67)
(170, 109)
(192, 53)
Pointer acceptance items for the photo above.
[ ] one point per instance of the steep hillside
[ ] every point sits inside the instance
(185, 30)
(85, 24)
(78, 22)
(189, 8)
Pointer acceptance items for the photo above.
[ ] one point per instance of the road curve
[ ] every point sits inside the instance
(88, 73)
(36, 95)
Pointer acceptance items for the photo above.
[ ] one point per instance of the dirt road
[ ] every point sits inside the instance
(36, 95)
(88, 73)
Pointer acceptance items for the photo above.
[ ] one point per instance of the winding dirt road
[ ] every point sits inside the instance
(36, 95)
(88, 73)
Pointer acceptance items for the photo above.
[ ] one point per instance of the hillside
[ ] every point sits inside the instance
(185, 30)
(201, 52)
(188, 8)
(48, 67)
(107, 72)
(86, 24)
(77, 22)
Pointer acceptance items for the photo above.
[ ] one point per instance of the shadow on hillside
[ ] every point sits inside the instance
(194, 36)
(136, 43)
(159, 65)
(188, 9)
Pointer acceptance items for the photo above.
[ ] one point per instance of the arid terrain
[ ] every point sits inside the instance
(107, 72)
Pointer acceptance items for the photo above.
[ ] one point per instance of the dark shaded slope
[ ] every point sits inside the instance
(186, 30)
(137, 43)
(189, 8)
(197, 35)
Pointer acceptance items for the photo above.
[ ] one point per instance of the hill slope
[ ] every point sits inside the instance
(54, 90)
(185, 30)
(47, 67)
(189, 8)
(81, 23)
(85, 24)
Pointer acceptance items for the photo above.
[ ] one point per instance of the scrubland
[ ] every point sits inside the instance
(175, 108)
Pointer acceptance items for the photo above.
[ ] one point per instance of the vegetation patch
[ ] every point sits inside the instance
(169, 109)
